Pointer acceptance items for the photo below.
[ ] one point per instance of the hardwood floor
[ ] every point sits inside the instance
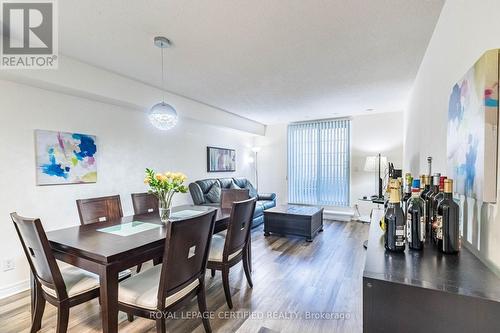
(298, 287)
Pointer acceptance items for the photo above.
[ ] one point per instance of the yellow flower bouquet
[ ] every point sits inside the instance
(164, 186)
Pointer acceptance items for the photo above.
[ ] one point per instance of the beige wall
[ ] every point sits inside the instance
(127, 144)
(465, 30)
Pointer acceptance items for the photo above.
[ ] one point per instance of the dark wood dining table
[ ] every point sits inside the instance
(107, 254)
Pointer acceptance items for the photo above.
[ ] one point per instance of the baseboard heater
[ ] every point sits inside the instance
(338, 215)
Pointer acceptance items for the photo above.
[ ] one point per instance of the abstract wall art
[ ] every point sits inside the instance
(221, 159)
(472, 130)
(65, 158)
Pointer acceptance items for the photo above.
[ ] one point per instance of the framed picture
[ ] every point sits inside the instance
(65, 158)
(221, 159)
(472, 130)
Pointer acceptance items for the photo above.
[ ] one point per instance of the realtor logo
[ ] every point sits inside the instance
(29, 34)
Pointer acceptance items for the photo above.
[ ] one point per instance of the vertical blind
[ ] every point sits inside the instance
(319, 162)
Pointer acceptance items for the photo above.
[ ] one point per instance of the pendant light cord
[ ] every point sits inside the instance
(162, 76)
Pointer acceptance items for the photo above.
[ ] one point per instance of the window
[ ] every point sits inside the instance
(319, 162)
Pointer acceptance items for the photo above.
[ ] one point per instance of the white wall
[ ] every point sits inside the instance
(370, 134)
(465, 30)
(127, 144)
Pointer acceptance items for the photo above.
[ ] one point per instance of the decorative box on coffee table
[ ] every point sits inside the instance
(297, 220)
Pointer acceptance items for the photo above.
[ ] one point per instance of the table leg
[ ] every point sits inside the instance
(109, 299)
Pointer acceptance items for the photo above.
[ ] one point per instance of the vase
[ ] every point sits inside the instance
(165, 209)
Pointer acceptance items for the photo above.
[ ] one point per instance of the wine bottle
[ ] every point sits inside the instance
(435, 201)
(394, 235)
(407, 192)
(432, 193)
(415, 222)
(448, 233)
(425, 182)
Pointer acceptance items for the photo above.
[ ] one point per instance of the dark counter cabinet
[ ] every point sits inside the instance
(427, 291)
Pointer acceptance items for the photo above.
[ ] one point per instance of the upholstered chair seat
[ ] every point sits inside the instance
(217, 248)
(141, 290)
(77, 281)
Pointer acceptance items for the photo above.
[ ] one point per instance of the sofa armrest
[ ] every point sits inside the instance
(196, 194)
(266, 196)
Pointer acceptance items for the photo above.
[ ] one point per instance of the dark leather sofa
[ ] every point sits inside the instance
(206, 192)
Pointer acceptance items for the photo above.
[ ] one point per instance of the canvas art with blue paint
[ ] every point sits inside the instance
(65, 158)
(472, 130)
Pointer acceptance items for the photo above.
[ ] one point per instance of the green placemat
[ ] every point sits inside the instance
(128, 229)
(183, 214)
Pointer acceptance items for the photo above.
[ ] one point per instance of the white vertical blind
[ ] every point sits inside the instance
(319, 162)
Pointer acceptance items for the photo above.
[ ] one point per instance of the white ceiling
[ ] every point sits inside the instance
(272, 61)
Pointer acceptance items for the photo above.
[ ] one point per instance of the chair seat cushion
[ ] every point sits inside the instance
(217, 248)
(77, 281)
(141, 290)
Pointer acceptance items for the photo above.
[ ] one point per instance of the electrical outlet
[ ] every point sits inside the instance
(8, 265)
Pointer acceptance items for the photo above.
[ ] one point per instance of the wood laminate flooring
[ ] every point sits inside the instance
(298, 287)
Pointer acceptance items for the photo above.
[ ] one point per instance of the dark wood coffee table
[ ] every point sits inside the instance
(297, 220)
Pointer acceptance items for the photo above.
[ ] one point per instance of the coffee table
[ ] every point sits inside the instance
(297, 220)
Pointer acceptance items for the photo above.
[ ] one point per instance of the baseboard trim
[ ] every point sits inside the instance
(14, 288)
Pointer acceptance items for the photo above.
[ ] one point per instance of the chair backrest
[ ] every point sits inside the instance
(144, 203)
(187, 246)
(238, 228)
(99, 209)
(39, 254)
(229, 196)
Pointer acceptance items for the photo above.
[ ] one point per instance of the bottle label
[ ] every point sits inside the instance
(400, 235)
(422, 229)
(439, 227)
(408, 227)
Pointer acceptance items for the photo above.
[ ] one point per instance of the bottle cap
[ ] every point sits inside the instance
(441, 182)
(416, 183)
(394, 196)
(435, 178)
(424, 180)
(448, 185)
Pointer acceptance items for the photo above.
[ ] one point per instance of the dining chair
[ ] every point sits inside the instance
(162, 289)
(102, 209)
(99, 209)
(61, 287)
(228, 196)
(144, 203)
(229, 249)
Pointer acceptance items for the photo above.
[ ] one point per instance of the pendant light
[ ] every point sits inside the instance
(162, 115)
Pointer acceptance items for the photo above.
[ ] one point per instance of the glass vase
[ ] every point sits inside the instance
(165, 209)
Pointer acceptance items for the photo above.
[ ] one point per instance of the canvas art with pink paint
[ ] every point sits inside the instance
(65, 158)
(472, 130)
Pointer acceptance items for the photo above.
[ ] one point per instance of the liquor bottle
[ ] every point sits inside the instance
(432, 193)
(425, 192)
(394, 235)
(415, 222)
(429, 166)
(435, 201)
(448, 233)
(407, 192)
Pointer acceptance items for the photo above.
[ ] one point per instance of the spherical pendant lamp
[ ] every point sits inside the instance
(162, 115)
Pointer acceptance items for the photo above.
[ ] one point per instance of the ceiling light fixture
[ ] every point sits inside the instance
(162, 115)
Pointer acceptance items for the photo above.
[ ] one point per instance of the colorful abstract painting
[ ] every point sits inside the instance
(65, 158)
(472, 130)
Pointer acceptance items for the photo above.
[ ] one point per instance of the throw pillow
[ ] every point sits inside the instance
(251, 190)
(233, 186)
(214, 193)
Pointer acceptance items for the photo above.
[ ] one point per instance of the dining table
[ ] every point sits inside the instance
(108, 248)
